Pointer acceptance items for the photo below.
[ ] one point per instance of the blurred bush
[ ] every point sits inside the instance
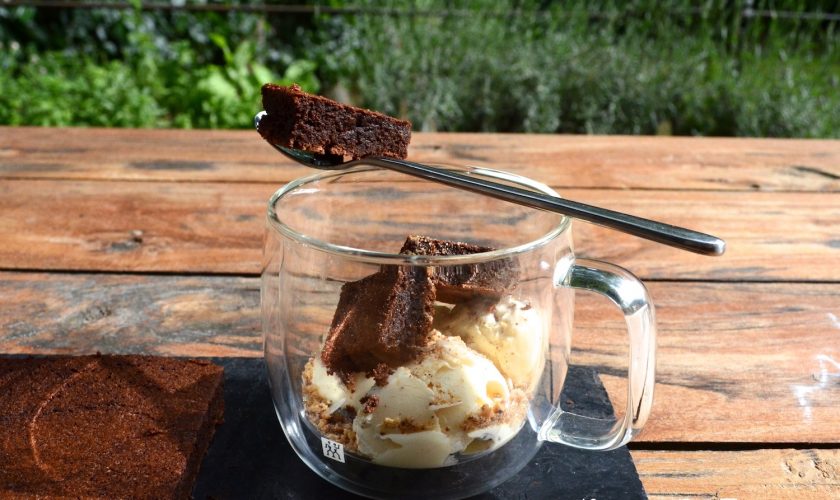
(137, 68)
(635, 67)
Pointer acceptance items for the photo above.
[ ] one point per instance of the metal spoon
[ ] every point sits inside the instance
(660, 232)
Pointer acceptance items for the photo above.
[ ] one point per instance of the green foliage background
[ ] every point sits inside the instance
(636, 67)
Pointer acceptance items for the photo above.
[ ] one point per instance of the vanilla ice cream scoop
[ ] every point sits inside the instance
(451, 400)
(508, 333)
(333, 391)
(428, 409)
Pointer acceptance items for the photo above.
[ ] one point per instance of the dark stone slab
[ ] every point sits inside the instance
(250, 457)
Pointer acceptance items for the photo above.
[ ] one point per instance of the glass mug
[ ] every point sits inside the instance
(475, 406)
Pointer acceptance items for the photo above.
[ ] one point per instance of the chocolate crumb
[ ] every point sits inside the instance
(380, 374)
(405, 425)
(337, 418)
(369, 403)
(317, 410)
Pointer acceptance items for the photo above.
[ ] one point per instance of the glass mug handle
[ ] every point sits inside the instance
(630, 295)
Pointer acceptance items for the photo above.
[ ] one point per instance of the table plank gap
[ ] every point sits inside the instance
(765, 473)
(210, 274)
(727, 446)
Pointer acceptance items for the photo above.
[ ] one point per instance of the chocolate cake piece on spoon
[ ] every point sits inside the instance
(298, 120)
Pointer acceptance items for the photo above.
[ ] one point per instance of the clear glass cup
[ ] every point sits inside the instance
(471, 411)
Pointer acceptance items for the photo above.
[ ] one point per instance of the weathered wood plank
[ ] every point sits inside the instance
(568, 161)
(736, 362)
(217, 228)
(141, 154)
(119, 314)
(768, 473)
(132, 226)
(751, 362)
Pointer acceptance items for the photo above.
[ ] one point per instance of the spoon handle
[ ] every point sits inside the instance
(660, 232)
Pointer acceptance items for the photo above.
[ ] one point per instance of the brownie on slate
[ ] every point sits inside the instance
(105, 426)
(298, 120)
(459, 283)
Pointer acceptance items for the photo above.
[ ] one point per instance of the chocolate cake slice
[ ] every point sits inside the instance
(313, 123)
(105, 426)
(383, 320)
(459, 283)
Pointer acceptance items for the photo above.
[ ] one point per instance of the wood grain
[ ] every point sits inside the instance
(118, 314)
(567, 161)
(132, 226)
(769, 473)
(218, 228)
(737, 362)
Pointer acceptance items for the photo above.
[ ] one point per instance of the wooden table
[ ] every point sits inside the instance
(149, 241)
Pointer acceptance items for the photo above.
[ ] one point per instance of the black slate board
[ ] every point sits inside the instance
(250, 457)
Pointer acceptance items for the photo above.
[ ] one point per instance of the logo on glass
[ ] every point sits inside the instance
(332, 450)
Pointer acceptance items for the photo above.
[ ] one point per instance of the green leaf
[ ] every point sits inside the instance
(243, 55)
(218, 86)
(220, 42)
(262, 74)
(302, 72)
